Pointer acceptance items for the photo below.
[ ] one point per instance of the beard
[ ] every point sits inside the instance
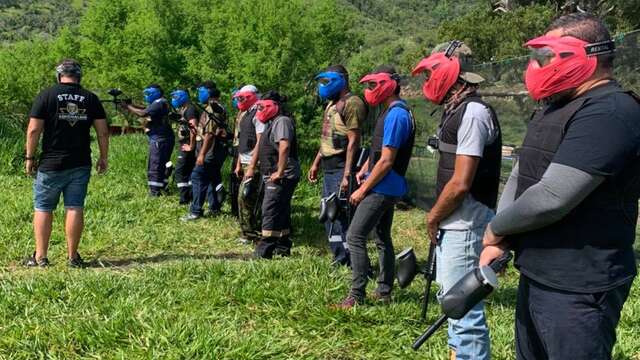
(560, 98)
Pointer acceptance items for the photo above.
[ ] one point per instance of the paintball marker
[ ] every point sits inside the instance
(338, 202)
(466, 293)
(115, 93)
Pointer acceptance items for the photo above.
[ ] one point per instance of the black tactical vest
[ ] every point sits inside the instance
(487, 178)
(247, 137)
(403, 157)
(268, 152)
(590, 249)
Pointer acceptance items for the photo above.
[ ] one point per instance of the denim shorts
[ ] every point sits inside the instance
(72, 183)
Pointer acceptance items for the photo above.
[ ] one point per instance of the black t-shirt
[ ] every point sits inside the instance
(159, 126)
(68, 112)
(591, 249)
(189, 113)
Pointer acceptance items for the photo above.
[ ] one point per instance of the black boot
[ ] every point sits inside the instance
(283, 246)
(265, 248)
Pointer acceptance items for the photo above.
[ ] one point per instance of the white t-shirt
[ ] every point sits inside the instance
(245, 158)
(475, 132)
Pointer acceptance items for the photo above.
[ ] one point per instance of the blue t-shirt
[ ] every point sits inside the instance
(159, 126)
(397, 130)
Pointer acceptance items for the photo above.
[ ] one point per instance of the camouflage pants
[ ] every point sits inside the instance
(249, 212)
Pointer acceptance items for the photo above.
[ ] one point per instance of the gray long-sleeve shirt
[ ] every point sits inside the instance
(559, 191)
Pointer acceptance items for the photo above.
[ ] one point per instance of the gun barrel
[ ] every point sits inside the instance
(427, 334)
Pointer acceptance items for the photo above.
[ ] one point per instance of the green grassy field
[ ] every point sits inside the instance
(161, 289)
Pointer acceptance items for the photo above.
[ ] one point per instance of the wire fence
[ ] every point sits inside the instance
(505, 91)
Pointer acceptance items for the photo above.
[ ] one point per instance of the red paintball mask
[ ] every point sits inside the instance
(442, 72)
(379, 87)
(246, 99)
(561, 63)
(267, 109)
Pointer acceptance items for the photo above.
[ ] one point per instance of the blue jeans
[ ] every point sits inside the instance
(458, 253)
(71, 183)
(337, 233)
(204, 179)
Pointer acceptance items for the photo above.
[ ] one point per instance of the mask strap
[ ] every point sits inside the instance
(600, 48)
(452, 47)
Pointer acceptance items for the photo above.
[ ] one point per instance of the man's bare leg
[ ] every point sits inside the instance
(74, 224)
(42, 221)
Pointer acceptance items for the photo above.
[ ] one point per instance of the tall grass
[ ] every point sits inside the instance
(159, 288)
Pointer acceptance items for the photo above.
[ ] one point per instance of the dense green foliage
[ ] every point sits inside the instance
(164, 290)
(25, 19)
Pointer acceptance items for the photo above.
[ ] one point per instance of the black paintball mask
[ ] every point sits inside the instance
(407, 267)
(329, 208)
(221, 193)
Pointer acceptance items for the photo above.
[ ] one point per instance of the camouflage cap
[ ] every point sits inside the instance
(465, 55)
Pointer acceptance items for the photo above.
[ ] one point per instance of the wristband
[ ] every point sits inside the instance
(29, 157)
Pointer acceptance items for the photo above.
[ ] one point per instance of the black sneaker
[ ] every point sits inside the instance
(33, 262)
(77, 262)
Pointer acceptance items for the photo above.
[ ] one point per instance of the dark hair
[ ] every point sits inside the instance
(214, 93)
(156, 86)
(389, 69)
(586, 27)
(275, 96)
(209, 84)
(339, 68)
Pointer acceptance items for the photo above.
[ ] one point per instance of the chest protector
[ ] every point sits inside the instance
(247, 135)
(403, 156)
(334, 141)
(268, 151)
(487, 179)
(591, 247)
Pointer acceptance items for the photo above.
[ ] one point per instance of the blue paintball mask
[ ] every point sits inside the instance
(330, 84)
(151, 94)
(179, 98)
(234, 100)
(203, 94)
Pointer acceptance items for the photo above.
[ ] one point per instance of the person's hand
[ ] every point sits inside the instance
(491, 252)
(186, 148)
(312, 176)
(102, 165)
(249, 173)
(276, 176)
(200, 160)
(491, 239)
(432, 229)
(238, 171)
(357, 197)
(360, 176)
(221, 133)
(344, 185)
(30, 167)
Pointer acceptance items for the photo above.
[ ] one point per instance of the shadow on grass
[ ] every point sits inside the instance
(156, 259)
